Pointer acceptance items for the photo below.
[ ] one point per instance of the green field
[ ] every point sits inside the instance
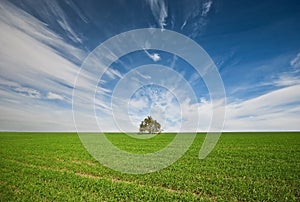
(242, 167)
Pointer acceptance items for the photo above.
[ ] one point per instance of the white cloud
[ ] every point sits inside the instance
(183, 25)
(159, 11)
(196, 17)
(28, 92)
(30, 55)
(158, 103)
(113, 73)
(54, 96)
(276, 110)
(77, 11)
(18, 19)
(286, 80)
(295, 62)
(206, 8)
(53, 14)
(162, 104)
(155, 56)
(143, 76)
(203, 100)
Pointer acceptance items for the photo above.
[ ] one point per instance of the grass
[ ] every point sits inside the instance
(242, 167)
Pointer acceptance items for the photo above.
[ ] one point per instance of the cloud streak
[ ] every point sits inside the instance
(206, 8)
(160, 12)
(28, 92)
(196, 18)
(52, 13)
(155, 56)
(295, 62)
(54, 96)
(276, 110)
(34, 72)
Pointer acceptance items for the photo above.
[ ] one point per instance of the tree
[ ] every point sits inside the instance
(149, 125)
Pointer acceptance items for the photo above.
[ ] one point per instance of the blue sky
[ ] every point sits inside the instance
(255, 46)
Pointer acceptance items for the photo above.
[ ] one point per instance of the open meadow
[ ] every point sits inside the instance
(242, 167)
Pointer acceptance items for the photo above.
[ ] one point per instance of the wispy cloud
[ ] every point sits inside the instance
(206, 8)
(196, 18)
(28, 92)
(286, 80)
(271, 111)
(62, 20)
(114, 73)
(183, 25)
(52, 13)
(288, 77)
(155, 56)
(173, 62)
(295, 62)
(159, 103)
(34, 72)
(77, 11)
(143, 76)
(54, 96)
(26, 25)
(168, 101)
(160, 11)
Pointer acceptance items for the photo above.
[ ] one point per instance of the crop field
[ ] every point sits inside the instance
(242, 167)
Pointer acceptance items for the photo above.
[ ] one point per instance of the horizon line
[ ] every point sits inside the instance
(225, 131)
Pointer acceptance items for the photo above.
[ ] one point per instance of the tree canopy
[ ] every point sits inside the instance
(149, 125)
